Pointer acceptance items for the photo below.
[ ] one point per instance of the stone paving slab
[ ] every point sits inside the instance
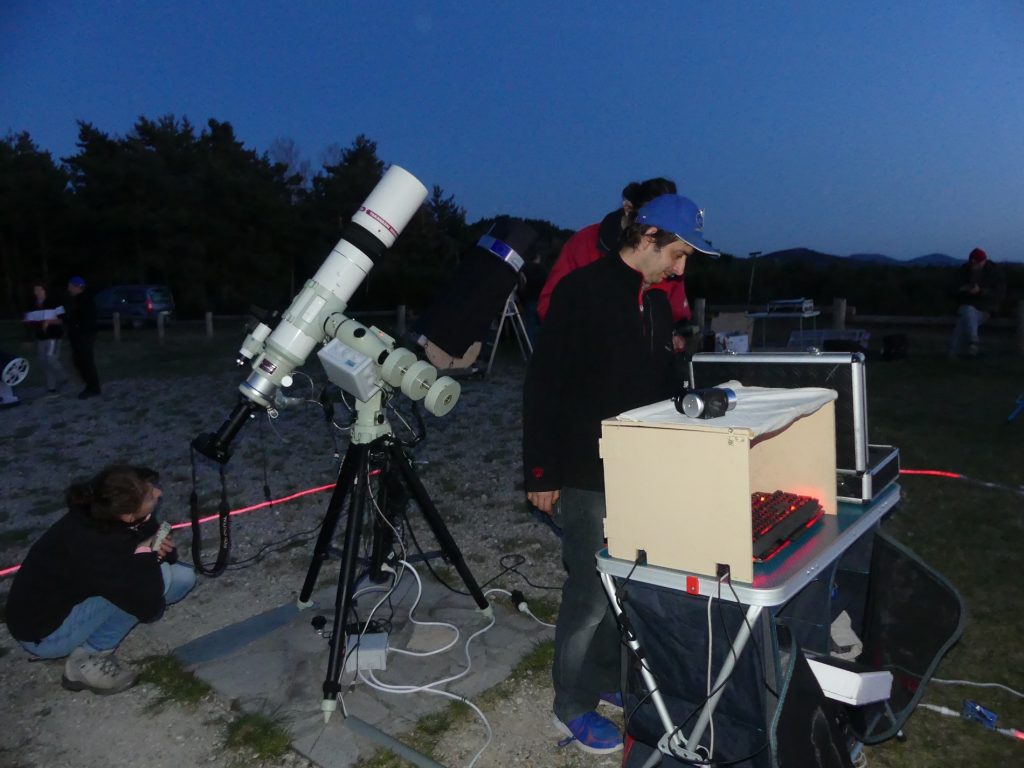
(276, 662)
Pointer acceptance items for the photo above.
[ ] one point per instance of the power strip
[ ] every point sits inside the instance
(371, 653)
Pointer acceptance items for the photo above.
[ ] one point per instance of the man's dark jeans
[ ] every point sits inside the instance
(587, 654)
(82, 357)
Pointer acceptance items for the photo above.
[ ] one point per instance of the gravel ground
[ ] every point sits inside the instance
(470, 463)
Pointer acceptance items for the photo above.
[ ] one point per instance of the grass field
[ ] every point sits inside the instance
(943, 415)
(951, 415)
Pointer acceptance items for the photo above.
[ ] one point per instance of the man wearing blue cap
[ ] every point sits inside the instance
(81, 328)
(605, 347)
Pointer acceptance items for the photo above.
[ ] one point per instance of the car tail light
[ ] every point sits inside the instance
(149, 306)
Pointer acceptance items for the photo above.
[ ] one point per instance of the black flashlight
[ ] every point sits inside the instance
(707, 403)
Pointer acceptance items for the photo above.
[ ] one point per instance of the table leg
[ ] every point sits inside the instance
(738, 644)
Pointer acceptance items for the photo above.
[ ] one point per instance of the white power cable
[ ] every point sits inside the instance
(529, 613)
(371, 680)
(521, 607)
(452, 678)
(374, 683)
(940, 709)
(432, 687)
(416, 602)
(707, 691)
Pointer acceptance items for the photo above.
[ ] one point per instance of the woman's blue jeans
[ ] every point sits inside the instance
(98, 625)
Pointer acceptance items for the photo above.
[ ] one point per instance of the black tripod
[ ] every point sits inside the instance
(371, 437)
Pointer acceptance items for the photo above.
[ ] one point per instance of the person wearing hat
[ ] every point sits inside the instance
(602, 239)
(981, 287)
(604, 348)
(80, 323)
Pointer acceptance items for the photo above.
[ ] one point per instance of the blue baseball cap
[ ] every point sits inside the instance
(680, 216)
(77, 281)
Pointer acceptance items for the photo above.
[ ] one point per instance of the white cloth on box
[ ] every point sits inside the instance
(762, 410)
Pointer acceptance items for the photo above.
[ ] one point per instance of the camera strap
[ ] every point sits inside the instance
(224, 520)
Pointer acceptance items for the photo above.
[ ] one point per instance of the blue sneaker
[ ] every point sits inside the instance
(613, 700)
(591, 733)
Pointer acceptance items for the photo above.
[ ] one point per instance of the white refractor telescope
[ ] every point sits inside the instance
(316, 317)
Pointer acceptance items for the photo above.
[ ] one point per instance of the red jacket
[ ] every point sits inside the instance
(582, 249)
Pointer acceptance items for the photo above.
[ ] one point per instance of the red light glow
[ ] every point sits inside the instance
(10, 571)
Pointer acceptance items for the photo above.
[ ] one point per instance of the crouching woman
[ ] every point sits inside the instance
(94, 575)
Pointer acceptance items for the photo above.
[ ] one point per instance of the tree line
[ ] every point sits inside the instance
(227, 227)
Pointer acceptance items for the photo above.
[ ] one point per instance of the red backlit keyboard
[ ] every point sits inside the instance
(777, 517)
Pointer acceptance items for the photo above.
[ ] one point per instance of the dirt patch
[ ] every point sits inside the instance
(470, 463)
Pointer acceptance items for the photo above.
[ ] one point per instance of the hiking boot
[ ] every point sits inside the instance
(613, 700)
(100, 673)
(591, 732)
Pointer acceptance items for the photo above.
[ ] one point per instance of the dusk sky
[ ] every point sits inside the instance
(869, 127)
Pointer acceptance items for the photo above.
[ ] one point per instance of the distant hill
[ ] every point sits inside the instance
(876, 258)
(803, 257)
(936, 260)
(806, 257)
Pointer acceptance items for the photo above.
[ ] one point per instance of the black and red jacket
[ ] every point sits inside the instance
(605, 347)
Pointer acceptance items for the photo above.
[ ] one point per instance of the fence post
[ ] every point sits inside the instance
(839, 314)
(698, 313)
(160, 318)
(116, 320)
(400, 320)
(1020, 326)
(209, 325)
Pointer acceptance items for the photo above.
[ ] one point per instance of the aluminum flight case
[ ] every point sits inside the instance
(862, 470)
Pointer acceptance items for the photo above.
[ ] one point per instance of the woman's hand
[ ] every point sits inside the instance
(165, 546)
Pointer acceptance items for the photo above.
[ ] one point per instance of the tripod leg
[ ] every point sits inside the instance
(346, 579)
(334, 507)
(390, 493)
(497, 336)
(433, 518)
(519, 326)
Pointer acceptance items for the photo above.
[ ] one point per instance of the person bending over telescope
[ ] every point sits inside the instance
(602, 239)
(605, 347)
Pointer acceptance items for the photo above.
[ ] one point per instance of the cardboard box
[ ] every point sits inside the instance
(679, 488)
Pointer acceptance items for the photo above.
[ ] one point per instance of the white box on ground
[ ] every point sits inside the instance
(370, 651)
(852, 687)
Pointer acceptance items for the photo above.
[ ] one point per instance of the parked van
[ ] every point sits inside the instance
(137, 304)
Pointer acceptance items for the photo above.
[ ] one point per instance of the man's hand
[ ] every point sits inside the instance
(543, 500)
